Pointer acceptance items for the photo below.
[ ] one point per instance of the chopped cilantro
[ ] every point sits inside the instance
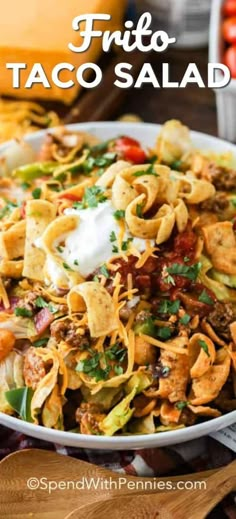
(59, 249)
(186, 259)
(22, 312)
(118, 370)
(92, 197)
(169, 307)
(233, 201)
(149, 171)
(169, 280)
(116, 352)
(53, 309)
(181, 405)
(119, 214)
(8, 208)
(191, 272)
(185, 319)
(139, 210)
(91, 367)
(153, 159)
(176, 166)
(125, 244)
(102, 146)
(112, 236)
(88, 165)
(41, 303)
(205, 298)
(41, 342)
(104, 271)
(36, 193)
(115, 249)
(105, 160)
(164, 333)
(76, 263)
(67, 267)
(25, 186)
(204, 346)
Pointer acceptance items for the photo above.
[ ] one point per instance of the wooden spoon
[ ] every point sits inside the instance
(168, 505)
(17, 501)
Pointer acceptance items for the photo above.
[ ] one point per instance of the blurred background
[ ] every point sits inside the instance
(45, 30)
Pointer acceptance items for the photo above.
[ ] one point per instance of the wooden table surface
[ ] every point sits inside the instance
(193, 105)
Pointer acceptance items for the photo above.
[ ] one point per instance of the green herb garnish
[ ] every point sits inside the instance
(181, 405)
(118, 370)
(169, 307)
(36, 193)
(25, 186)
(164, 333)
(22, 312)
(92, 197)
(40, 302)
(191, 272)
(91, 367)
(205, 298)
(204, 346)
(149, 171)
(104, 271)
(7, 209)
(67, 267)
(40, 342)
(139, 210)
(112, 236)
(185, 319)
(119, 214)
(125, 244)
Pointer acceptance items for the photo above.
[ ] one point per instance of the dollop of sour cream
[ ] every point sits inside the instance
(89, 245)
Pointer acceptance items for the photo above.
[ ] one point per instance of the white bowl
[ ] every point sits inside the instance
(147, 134)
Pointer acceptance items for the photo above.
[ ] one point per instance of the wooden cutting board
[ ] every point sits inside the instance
(19, 502)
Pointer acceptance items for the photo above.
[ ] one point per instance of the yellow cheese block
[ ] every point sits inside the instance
(38, 31)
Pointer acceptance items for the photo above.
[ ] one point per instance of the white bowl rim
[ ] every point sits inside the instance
(171, 437)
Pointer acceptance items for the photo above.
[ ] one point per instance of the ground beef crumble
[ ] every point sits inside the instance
(221, 317)
(67, 331)
(224, 179)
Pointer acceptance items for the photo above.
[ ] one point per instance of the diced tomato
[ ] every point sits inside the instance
(230, 60)
(185, 243)
(130, 149)
(70, 196)
(123, 142)
(135, 154)
(229, 29)
(42, 320)
(229, 8)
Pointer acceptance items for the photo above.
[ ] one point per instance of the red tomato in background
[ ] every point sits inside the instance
(229, 29)
(130, 149)
(135, 154)
(122, 142)
(229, 8)
(230, 60)
(70, 196)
